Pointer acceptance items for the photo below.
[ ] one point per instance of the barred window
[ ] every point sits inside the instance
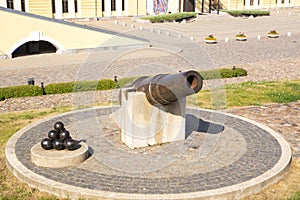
(10, 4)
(65, 6)
(23, 5)
(76, 5)
(113, 5)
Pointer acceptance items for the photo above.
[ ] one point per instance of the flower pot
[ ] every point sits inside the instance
(211, 41)
(241, 38)
(273, 35)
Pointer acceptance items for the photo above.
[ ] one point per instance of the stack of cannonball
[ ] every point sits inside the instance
(59, 139)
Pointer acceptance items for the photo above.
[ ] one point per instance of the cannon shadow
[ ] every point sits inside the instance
(194, 123)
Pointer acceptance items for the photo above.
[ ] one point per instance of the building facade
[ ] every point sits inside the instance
(61, 9)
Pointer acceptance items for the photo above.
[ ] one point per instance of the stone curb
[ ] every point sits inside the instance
(231, 192)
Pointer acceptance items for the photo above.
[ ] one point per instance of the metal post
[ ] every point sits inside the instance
(202, 9)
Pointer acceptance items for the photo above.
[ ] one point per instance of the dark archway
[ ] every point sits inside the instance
(34, 47)
(189, 6)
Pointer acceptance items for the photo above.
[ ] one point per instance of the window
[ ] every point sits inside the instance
(53, 6)
(23, 5)
(75, 4)
(251, 2)
(65, 6)
(113, 5)
(10, 4)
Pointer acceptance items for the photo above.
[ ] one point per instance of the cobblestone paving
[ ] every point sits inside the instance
(283, 118)
(262, 152)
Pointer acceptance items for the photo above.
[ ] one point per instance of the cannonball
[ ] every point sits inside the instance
(70, 144)
(59, 126)
(58, 144)
(52, 135)
(64, 134)
(46, 144)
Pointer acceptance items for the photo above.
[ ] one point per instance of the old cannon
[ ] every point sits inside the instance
(153, 108)
(164, 89)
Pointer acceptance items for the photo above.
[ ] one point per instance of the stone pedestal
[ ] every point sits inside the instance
(143, 124)
(57, 159)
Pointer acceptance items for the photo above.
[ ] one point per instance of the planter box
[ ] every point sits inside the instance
(211, 41)
(273, 35)
(241, 38)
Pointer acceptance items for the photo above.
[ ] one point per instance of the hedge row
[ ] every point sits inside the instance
(223, 73)
(55, 88)
(170, 17)
(80, 86)
(20, 91)
(206, 75)
(105, 84)
(238, 13)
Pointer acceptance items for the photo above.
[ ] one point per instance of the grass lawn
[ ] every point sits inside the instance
(245, 94)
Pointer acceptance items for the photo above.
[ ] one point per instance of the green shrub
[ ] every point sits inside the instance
(170, 17)
(20, 91)
(106, 84)
(223, 73)
(238, 13)
(59, 88)
(124, 81)
(79, 86)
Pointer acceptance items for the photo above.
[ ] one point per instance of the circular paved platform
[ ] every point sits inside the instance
(224, 156)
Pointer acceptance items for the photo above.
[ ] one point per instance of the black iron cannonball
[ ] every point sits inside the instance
(58, 144)
(52, 135)
(46, 144)
(71, 144)
(59, 126)
(64, 134)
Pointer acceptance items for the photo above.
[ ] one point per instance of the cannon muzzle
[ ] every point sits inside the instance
(164, 89)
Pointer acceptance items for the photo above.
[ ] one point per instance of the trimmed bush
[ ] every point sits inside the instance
(222, 73)
(124, 81)
(170, 17)
(105, 84)
(59, 88)
(239, 13)
(79, 86)
(20, 91)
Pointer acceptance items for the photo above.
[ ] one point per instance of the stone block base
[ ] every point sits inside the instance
(143, 124)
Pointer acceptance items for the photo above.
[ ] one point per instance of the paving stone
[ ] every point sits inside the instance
(260, 157)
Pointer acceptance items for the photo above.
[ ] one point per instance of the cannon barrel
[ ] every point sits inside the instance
(164, 89)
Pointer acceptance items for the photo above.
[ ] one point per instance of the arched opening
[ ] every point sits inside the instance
(34, 47)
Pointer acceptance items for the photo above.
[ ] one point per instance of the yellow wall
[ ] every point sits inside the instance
(88, 8)
(67, 36)
(173, 6)
(40, 7)
(136, 7)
